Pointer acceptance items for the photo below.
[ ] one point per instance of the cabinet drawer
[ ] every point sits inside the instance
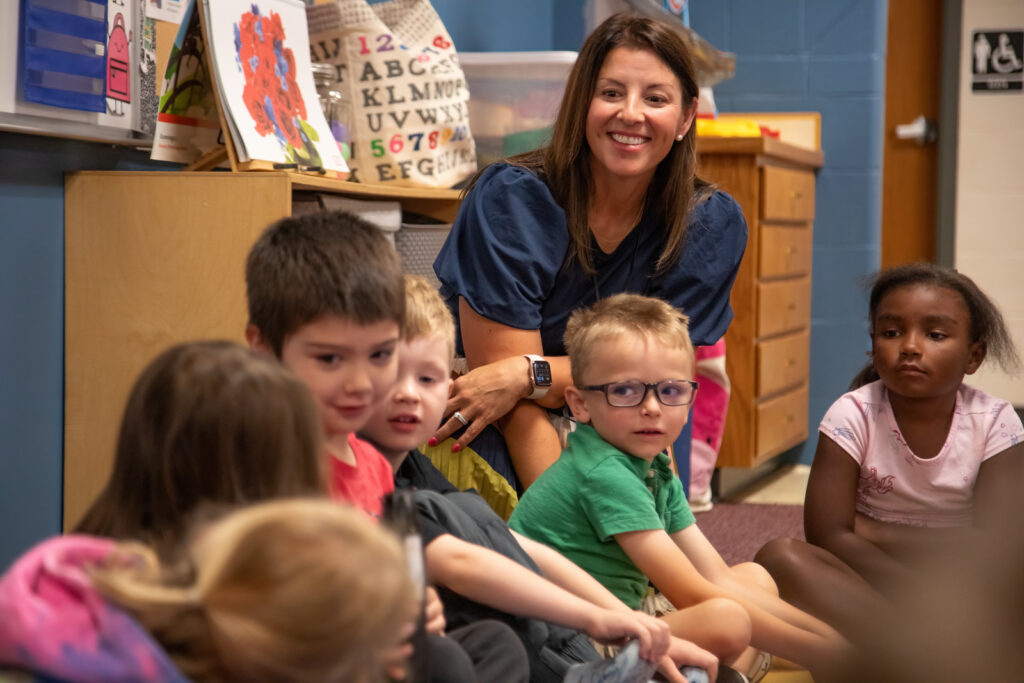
(786, 194)
(783, 362)
(781, 423)
(783, 306)
(785, 250)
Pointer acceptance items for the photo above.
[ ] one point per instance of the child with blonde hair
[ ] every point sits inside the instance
(612, 504)
(484, 570)
(297, 590)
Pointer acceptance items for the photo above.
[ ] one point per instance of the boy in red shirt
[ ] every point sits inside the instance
(326, 298)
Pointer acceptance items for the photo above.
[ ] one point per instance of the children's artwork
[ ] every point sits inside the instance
(260, 51)
(187, 125)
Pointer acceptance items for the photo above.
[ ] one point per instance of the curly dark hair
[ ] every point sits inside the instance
(987, 324)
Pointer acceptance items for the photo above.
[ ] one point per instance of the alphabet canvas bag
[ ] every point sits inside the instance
(398, 69)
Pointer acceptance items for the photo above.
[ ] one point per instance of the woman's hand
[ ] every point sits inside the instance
(613, 627)
(483, 396)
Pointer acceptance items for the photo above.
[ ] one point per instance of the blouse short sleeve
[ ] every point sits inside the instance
(702, 278)
(505, 248)
(1005, 429)
(846, 421)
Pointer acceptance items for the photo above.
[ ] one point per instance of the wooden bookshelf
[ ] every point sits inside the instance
(157, 258)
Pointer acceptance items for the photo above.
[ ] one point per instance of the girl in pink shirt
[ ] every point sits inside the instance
(909, 458)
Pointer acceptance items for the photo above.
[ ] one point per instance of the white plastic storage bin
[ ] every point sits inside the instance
(513, 99)
(418, 241)
(386, 215)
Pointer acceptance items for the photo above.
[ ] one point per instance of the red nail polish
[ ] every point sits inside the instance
(431, 441)
(455, 447)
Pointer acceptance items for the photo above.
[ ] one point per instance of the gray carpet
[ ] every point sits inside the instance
(738, 530)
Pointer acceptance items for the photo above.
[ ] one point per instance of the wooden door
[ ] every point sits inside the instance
(913, 75)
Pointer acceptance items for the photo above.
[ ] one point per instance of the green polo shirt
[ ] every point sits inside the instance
(593, 492)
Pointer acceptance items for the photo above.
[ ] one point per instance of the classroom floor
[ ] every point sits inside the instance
(785, 487)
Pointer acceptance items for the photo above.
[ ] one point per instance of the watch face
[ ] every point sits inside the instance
(541, 373)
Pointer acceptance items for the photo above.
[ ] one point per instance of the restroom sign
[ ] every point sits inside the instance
(997, 61)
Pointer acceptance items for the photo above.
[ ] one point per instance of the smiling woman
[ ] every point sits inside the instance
(611, 205)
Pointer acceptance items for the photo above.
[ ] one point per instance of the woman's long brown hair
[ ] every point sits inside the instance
(565, 163)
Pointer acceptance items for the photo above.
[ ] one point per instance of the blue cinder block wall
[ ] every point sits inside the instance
(32, 172)
(826, 56)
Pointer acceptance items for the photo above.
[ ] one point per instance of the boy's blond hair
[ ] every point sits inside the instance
(426, 314)
(629, 314)
(294, 590)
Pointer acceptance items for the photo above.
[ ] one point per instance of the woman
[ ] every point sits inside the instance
(612, 205)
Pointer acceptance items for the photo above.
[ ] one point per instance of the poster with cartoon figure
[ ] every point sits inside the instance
(118, 75)
(122, 39)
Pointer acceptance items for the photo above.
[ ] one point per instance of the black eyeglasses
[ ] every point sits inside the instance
(670, 392)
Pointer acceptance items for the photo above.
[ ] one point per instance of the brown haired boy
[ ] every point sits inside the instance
(326, 298)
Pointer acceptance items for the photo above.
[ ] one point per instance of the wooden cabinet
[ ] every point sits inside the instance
(768, 343)
(153, 259)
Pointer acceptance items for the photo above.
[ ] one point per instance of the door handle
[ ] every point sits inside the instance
(921, 130)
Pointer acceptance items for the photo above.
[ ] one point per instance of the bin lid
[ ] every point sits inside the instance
(513, 64)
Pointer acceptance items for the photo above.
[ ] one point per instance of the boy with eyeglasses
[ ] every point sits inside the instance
(612, 504)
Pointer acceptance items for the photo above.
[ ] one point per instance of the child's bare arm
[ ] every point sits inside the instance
(669, 568)
(492, 579)
(830, 510)
(999, 492)
(562, 571)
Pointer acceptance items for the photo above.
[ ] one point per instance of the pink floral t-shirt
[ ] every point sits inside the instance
(898, 487)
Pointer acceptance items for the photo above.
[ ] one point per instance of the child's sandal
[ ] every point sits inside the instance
(762, 665)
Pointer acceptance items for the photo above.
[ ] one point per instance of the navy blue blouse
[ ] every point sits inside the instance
(507, 256)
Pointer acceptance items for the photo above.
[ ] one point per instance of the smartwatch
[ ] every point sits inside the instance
(540, 375)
